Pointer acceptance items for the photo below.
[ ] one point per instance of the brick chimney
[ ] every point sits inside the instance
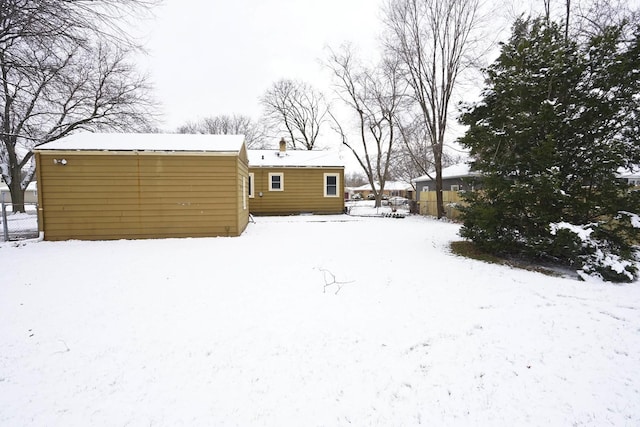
(283, 145)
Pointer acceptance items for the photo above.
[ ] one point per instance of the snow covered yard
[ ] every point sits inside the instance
(241, 331)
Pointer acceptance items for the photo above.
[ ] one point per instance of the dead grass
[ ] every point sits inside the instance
(469, 250)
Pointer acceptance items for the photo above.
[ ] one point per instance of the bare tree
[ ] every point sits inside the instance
(582, 19)
(354, 179)
(374, 95)
(414, 157)
(547, 9)
(63, 67)
(567, 15)
(566, 20)
(593, 16)
(235, 124)
(296, 108)
(434, 41)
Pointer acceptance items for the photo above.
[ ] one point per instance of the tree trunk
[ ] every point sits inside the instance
(17, 196)
(439, 199)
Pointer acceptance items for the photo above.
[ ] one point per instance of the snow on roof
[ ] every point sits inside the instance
(146, 142)
(460, 170)
(388, 185)
(294, 158)
(633, 173)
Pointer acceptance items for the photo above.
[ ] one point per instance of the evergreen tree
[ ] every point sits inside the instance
(556, 123)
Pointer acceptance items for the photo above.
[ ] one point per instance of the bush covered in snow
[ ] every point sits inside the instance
(558, 120)
(605, 249)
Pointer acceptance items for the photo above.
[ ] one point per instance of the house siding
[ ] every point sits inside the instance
(465, 184)
(242, 172)
(109, 195)
(303, 191)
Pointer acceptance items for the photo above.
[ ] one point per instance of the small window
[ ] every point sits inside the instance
(425, 188)
(251, 190)
(276, 182)
(331, 183)
(455, 188)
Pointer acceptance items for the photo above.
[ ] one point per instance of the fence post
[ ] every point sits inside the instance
(5, 226)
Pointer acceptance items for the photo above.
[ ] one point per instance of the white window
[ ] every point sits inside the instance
(244, 193)
(276, 182)
(251, 184)
(331, 184)
(455, 188)
(425, 188)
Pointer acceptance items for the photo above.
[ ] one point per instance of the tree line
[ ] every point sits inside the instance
(66, 65)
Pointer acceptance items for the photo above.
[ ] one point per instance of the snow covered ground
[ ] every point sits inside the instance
(20, 225)
(249, 331)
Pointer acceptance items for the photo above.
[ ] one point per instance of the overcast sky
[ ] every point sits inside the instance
(212, 57)
(218, 57)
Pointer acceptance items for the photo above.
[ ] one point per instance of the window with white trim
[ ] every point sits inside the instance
(455, 187)
(251, 184)
(276, 182)
(331, 184)
(244, 193)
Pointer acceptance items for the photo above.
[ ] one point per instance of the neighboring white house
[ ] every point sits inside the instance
(391, 189)
(30, 195)
(630, 177)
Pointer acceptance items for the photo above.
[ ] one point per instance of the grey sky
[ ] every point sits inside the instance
(218, 57)
(211, 57)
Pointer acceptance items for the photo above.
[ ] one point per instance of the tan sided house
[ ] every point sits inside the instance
(124, 186)
(296, 181)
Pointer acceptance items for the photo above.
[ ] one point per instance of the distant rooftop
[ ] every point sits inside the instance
(88, 141)
(388, 185)
(633, 173)
(460, 170)
(294, 158)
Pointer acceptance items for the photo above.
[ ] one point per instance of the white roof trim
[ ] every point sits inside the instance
(461, 170)
(294, 158)
(88, 141)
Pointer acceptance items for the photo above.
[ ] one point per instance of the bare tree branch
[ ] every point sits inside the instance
(330, 280)
(235, 124)
(374, 95)
(434, 40)
(298, 109)
(64, 67)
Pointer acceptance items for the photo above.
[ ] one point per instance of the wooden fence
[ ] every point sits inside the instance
(450, 200)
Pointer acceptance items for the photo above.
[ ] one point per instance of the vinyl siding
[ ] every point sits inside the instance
(99, 196)
(465, 184)
(242, 206)
(303, 192)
